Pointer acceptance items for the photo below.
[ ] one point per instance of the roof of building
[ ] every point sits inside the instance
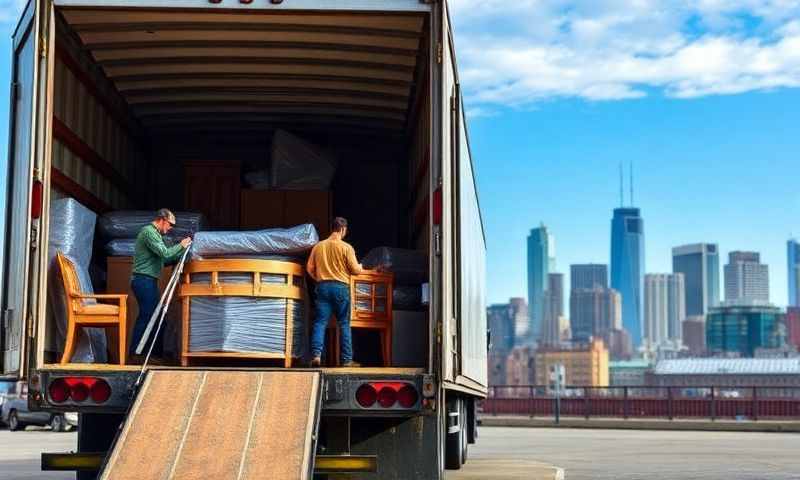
(635, 363)
(729, 366)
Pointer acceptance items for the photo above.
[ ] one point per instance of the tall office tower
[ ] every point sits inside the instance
(541, 252)
(553, 309)
(627, 267)
(793, 269)
(500, 320)
(594, 312)
(519, 317)
(746, 279)
(588, 275)
(699, 264)
(664, 308)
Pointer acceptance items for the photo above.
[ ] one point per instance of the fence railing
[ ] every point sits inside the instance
(741, 402)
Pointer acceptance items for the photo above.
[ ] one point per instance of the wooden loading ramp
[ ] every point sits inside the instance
(221, 425)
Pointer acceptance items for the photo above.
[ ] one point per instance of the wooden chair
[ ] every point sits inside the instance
(370, 309)
(81, 313)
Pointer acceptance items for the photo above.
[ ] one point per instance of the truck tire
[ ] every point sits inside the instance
(454, 442)
(58, 423)
(13, 422)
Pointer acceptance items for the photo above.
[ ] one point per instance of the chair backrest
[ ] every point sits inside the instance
(69, 276)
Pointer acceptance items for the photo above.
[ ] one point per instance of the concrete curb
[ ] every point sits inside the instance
(622, 424)
(506, 469)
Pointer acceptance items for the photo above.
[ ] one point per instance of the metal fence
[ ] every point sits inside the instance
(744, 402)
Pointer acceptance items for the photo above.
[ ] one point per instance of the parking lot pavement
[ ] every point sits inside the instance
(20, 453)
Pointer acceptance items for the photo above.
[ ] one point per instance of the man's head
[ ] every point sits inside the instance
(340, 226)
(164, 221)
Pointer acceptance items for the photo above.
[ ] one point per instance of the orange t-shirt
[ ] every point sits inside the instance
(333, 259)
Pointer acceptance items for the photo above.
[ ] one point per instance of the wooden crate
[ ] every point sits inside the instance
(214, 189)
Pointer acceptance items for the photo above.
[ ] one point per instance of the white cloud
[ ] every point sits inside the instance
(516, 53)
(10, 10)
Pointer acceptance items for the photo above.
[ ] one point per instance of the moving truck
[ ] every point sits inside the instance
(111, 98)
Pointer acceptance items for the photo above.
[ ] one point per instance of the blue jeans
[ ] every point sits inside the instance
(145, 289)
(333, 298)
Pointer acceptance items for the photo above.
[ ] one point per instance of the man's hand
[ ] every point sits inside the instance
(186, 242)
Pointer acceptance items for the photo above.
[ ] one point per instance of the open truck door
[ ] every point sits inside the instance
(25, 192)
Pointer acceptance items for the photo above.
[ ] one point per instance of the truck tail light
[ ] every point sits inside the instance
(407, 396)
(366, 395)
(437, 206)
(59, 391)
(387, 395)
(37, 197)
(79, 389)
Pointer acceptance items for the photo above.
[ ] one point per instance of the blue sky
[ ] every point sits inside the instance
(701, 95)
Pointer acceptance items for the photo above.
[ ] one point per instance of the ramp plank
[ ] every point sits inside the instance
(219, 424)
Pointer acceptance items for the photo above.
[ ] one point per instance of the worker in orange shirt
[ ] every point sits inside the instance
(330, 264)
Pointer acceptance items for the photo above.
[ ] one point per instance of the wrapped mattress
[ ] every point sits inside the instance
(127, 223)
(245, 324)
(281, 241)
(72, 233)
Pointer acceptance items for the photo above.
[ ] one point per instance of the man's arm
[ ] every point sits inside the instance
(311, 267)
(352, 263)
(156, 245)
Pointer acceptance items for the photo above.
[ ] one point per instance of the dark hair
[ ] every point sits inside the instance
(339, 224)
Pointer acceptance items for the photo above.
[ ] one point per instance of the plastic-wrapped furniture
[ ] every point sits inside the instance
(242, 309)
(81, 314)
(370, 308)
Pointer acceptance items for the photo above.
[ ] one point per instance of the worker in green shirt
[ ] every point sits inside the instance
(150, 255)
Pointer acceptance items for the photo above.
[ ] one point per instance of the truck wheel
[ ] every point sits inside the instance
(13, 421)
(57, 423)
(454, 448)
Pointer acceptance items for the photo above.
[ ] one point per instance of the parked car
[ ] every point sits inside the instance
(14, 412)
(5, 387)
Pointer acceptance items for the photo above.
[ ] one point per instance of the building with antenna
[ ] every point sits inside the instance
(628, 265)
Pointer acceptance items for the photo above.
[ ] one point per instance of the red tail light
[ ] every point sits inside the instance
(407, 396)
(437, 206)
(79, 389)
(37, 192)
(366, 395)
(59, 391)
(387, 395)
(100, 391)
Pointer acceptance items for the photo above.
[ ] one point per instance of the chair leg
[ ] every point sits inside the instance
(122, 333)
(69, 345)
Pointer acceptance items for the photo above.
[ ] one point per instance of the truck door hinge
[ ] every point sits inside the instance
(439, 52)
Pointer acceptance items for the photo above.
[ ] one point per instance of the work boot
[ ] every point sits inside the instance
(351, 364)
(316, 362)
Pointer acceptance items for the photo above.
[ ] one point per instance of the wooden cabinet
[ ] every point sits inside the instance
(119, 281)
(214, 189)
(278, 208)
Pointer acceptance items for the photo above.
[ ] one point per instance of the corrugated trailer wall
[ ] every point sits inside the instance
(96, 157)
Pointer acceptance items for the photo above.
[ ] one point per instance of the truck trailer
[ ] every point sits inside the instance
(111, 98)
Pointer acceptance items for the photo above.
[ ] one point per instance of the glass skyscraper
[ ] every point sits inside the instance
(743, 329)
(793, 269)
(627, 267)
(541, 253)
(699, 264)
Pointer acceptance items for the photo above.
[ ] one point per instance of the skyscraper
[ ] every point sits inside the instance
(746, 279)
(593, 312)
(541, 253)
(699, 264)
(519, 316)
(793, 269)
(664, 308)
(501, 323)
(743, 329)
(588, 276)
(553, 309)
(627, 267)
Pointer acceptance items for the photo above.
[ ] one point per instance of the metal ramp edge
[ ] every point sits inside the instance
(219, 424)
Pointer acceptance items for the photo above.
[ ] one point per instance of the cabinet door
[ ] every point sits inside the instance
(214, 188)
